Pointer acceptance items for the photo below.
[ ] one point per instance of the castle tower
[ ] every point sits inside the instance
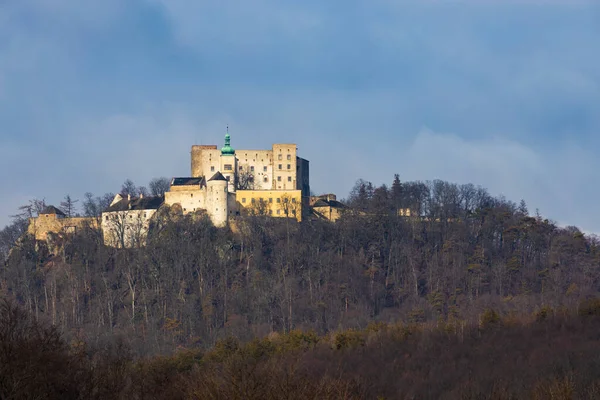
(228, 163)
(216, 199)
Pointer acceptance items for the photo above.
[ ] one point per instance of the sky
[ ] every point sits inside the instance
(503, 94)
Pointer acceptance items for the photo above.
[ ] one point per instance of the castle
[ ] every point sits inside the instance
(227, 182)
(223, 184)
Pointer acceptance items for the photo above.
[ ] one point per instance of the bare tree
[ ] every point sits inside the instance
(244, 180)
(143, 191)
(129, 188)
(158, 186)
(289, 206)
(32, 209)
(126, 229)
(259, 207)
(361, 194)
(9, 236)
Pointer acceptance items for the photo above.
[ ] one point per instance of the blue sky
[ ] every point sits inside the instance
(505, 94)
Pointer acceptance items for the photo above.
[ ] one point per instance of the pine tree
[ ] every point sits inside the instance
(397, 192)
(68, 206)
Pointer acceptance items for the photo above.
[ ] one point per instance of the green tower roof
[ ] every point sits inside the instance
(227, 150)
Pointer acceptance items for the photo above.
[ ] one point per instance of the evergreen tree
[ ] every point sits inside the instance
(68, 206)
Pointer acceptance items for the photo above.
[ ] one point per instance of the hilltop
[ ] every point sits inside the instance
(460, 251)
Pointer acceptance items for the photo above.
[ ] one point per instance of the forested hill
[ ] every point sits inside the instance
(461, 251)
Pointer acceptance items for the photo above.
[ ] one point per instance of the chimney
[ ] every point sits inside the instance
(128, 197)
(141, 195)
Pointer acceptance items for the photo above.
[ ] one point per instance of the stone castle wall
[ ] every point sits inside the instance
(191, 199)
(275, 203)
(277, 169)
(126, 229)
(43, 224)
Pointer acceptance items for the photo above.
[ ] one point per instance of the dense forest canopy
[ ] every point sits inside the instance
(461, 251)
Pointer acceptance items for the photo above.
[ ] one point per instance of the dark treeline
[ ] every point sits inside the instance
(461, 251)
(547, 355)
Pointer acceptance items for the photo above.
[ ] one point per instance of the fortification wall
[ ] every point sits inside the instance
(50, 223)
(190, 200)
(330, 213)
(276, 203)
(126, 228)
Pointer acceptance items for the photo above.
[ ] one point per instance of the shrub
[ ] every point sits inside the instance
(488, 318)
(589, 307)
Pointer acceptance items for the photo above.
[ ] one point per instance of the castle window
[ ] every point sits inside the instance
(253, 201)
(280, 166)
(293, 212)
(278, 212)
(289, 166)
(270, 199)
(293, 200)
(264, 169)
(289, 178)
(243, 199)
(144, 215)
(212, 168)
(285, 200)
(227, 167)
(289, 157)
(279, 199)
(270, 212)
(107, 217)
(241, 168)
(266, 179)
(191, 194)
(279, 179)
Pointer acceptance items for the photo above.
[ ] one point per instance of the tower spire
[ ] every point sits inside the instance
(227, 149)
